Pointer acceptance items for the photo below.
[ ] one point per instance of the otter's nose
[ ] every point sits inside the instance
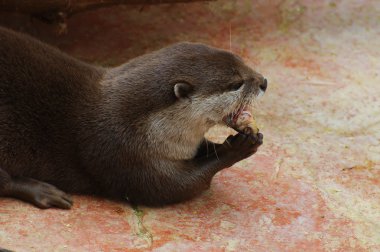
(263, 86)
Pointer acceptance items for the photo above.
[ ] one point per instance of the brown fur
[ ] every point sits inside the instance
(122, 132)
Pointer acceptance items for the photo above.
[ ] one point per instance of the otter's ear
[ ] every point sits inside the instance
(182, 90)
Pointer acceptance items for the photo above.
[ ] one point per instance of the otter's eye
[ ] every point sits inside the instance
(236, 86)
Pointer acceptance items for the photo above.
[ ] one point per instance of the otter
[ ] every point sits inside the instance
(132, 132)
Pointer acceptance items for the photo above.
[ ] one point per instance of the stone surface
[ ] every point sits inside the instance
(315, 183)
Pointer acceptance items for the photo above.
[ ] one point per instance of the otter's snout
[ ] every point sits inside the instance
(263, 86)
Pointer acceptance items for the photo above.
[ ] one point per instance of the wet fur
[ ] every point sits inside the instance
(119, 132)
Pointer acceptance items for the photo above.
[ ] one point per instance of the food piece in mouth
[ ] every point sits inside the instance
(246, 121)
(243, 122)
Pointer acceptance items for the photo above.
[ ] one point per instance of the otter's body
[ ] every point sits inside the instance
(134, 132)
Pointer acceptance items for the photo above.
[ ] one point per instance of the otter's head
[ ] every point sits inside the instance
(215, 84)
(174, 95)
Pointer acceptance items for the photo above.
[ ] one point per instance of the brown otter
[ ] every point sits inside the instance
(131, 132)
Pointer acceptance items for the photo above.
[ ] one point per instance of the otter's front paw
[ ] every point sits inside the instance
(240, 146)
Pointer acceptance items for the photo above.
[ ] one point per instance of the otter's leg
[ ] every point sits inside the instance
(189, 178)
(38, 193)
(234, 149)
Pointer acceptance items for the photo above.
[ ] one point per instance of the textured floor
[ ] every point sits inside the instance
(315, 183)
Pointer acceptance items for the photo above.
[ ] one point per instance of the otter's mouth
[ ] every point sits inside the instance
(231, 119)
(241, 120)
